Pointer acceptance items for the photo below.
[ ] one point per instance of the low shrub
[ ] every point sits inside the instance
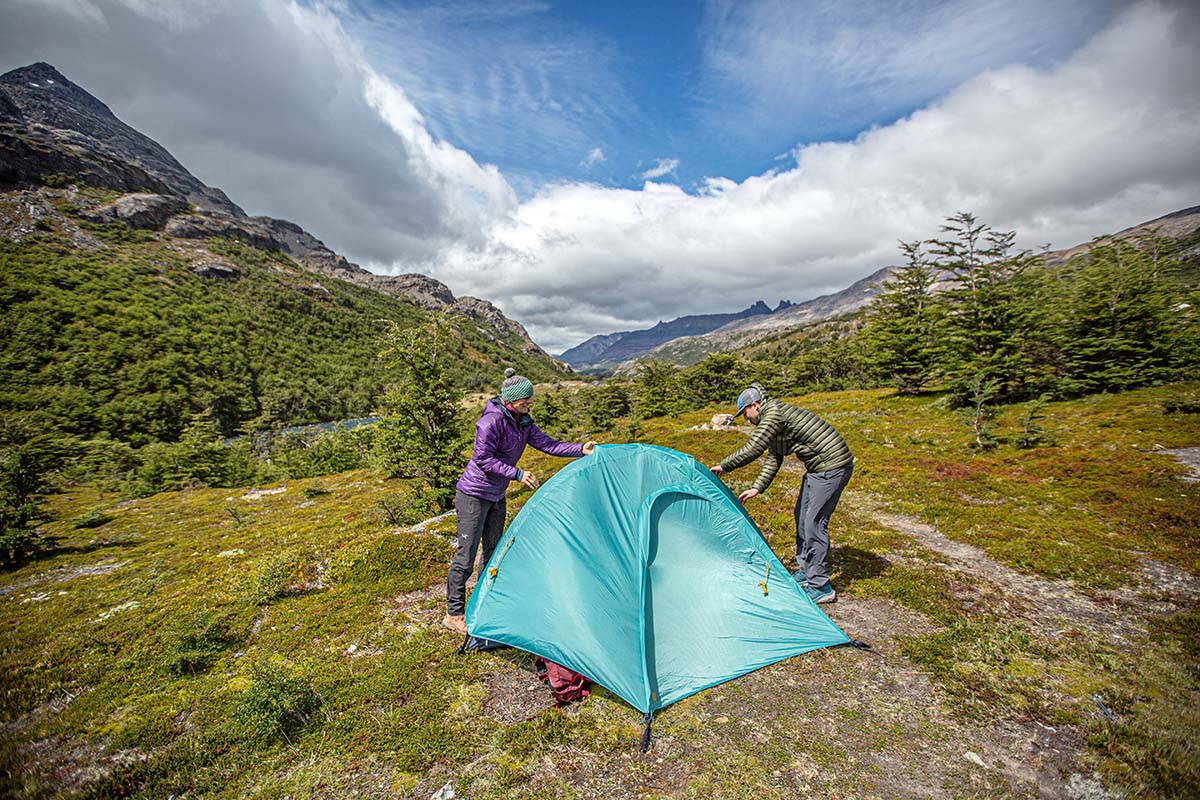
(91, 519)
(276, 578)
(194, 645)
(279, 702)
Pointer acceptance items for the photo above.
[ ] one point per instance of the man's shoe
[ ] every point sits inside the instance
(801, 578)
(458, 624)
(825, 594)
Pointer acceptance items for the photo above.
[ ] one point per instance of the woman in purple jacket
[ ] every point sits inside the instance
(501, 434)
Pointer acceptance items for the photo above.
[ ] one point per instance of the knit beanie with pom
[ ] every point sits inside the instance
(515, 387)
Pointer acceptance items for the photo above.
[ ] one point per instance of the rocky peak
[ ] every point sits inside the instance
(424, 291)
(759, 307)
(44, 98)
(481, 311)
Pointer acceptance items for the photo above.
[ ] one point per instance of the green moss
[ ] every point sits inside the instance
(394, 562)
(929, 591)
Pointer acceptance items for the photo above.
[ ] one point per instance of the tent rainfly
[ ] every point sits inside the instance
(637, 567)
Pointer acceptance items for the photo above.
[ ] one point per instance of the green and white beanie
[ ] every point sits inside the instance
(515, 387)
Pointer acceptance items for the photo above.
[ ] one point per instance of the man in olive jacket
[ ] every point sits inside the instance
(780, 430)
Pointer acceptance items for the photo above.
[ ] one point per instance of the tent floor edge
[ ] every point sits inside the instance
(646, 720)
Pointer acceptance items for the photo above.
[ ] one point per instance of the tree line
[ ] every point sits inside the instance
(967, 314)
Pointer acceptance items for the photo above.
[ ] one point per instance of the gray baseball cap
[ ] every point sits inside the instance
(751, 395)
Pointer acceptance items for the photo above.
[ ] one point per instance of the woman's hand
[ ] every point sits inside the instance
(530, 480)
(717, 470)
(746, 495)
(588, 447)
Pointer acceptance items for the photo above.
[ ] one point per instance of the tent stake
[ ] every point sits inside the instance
(858, 644)
(646, 733)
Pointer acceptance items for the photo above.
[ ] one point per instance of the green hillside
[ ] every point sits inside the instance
(284, 642)
(131, 338)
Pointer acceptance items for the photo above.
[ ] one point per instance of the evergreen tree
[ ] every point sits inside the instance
(28, 457)
(424, 431)
(556, 415)
(600, 405)
(715, 380)
(1120, 325)
(899, 336)
(657, 389)
(831, 365)
(983, 333)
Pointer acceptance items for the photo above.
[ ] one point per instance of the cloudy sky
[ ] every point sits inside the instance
(594, 167)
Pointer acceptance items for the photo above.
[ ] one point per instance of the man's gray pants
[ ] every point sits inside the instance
(478, 521)
(819, 495)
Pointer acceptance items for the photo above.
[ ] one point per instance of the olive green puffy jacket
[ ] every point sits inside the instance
(783, 429)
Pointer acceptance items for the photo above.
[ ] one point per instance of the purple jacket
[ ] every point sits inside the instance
(500, 440)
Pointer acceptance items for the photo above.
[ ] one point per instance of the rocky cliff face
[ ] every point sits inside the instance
(54, 132)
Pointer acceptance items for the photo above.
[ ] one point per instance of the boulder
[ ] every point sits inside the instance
(146, 211)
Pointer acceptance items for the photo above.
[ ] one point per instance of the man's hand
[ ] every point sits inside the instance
(588, 447)
(530, 480)
(717, 470)
(746, 495)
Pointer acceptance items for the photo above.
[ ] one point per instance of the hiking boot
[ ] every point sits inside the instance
(458, 624)
(801, 578)
(824, 594)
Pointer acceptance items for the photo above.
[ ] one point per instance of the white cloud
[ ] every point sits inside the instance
(1105, 140)
(274, 103)
(596, 156)
(664, 166)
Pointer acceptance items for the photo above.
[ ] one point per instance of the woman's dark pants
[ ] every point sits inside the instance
(478, 521)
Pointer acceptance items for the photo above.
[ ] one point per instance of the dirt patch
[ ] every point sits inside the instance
(423, 607)
(514, 693)
(63, 574)
(877, 621)
(422, 525)
(1190, 458)
(258, 494)
(69, 764)
(832, 723)
(1170, 580)
(1053, 604)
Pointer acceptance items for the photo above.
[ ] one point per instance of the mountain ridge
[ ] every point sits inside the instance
(52, 128)
(858, 295)
(613, 348)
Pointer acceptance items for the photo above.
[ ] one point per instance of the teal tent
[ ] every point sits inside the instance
(636, 567)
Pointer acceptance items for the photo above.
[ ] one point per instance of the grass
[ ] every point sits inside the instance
(222, 643)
